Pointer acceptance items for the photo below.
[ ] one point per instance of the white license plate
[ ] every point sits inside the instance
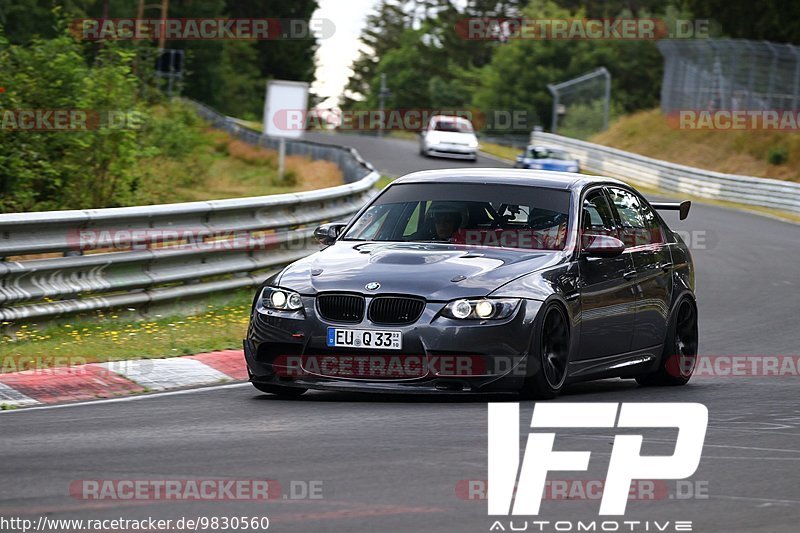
(365, 338)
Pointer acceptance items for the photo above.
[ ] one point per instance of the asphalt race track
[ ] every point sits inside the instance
(401, 464)
(396, 157)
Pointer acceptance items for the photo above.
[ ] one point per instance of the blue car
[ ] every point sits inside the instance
(543, 158)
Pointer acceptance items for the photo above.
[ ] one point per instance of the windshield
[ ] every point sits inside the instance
(505, 216)
(459, 126)
(544, 153)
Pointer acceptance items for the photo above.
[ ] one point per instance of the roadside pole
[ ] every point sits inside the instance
(382, 94)
(282, 159)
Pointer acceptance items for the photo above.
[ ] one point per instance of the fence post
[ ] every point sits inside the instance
(773, 68)
(606, 99)
(796, 85)
(554, 120)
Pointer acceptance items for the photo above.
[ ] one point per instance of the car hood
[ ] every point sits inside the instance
(435, 271)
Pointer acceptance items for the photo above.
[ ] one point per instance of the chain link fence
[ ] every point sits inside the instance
(581, 105)
(730, 74)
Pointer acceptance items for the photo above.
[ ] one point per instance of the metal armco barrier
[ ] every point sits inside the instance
(667, 176)
(237, 242)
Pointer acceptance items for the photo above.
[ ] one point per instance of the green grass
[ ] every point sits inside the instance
(503, 152)
(224, 167)
(404, 134)
(744, 152)
(384, 181)
(123, 335)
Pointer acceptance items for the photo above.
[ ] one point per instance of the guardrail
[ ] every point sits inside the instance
(236, 242)
(667, 176)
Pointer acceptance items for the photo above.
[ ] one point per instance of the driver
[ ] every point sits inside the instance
(446, 219)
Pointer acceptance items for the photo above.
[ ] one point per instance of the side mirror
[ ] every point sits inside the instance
(327, 234)
(601, 246)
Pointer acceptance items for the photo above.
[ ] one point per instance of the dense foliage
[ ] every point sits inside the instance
(134, 131)
(429, 65)
(229, 75)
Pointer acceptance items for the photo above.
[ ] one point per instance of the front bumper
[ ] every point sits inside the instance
(452, 150)
(290, 349)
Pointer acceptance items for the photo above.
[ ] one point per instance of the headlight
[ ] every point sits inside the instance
(274, 298)
(495, 308)
(473, 144)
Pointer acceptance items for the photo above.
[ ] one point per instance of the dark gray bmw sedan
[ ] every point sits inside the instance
(482, 280)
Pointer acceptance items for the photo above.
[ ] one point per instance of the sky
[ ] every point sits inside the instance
(336, 53)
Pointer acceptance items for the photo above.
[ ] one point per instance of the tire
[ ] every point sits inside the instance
(551, 345)
(285, 392)
(679, 357)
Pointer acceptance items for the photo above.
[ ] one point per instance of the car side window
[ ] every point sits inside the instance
(652, 223)
(597, 218)
(640, 224)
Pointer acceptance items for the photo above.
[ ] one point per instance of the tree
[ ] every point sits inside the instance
(383, 30)
(422, 35)
(228, 75)
(67, 169)
(770, 20)
(520, 70)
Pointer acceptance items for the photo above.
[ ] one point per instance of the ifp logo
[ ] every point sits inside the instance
(626, 463)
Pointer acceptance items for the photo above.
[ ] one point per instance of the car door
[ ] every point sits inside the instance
(606, 295)
(644, 236)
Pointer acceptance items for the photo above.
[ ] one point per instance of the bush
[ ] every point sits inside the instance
(67, 169)
(173, 130)
(777, 155)
(586, 118)
(92, 167)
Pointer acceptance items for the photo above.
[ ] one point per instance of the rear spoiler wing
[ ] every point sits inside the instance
(682, 207)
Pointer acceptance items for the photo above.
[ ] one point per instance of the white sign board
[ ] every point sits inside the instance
(285, 108)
